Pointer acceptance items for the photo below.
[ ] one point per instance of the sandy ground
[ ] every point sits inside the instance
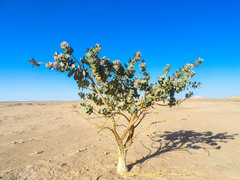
(46, 140)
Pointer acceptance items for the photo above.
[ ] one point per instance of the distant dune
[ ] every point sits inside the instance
(235, 97)
(197, 97)
(231, 97)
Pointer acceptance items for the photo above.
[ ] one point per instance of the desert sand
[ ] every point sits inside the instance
(47, 140)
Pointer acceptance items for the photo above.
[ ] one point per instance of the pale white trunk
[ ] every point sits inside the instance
(122, 166)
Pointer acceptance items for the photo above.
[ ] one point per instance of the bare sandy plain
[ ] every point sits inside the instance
(47, 140)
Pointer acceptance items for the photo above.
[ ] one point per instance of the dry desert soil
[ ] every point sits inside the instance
(47, 140)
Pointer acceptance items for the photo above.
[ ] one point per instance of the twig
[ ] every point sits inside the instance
(146, 128)
(76, 60)
(93, 124)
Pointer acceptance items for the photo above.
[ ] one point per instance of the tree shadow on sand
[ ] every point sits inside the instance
(184, 141)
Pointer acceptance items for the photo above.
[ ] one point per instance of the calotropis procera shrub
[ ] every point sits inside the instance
(113, 90)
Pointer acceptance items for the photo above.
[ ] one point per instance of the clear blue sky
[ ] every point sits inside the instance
(165, 32)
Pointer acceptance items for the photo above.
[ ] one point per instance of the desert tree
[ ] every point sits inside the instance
(115, 99)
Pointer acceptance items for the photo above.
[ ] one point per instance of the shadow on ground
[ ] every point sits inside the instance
(183, 141)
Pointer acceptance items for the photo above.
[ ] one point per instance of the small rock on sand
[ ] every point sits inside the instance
(63, 164)
(39, 152)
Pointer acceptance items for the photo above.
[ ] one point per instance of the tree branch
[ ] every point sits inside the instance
(94, 85)
(121, 115)
(125, 87)
(76, 60)
(130, 125)
(93, 124)
(146, 128)
(99, 93)
(140, 120)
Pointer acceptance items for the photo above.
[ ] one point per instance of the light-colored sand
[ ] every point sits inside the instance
(197, 97)
(40, 140)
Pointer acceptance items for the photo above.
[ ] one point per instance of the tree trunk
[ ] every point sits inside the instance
(122, 166)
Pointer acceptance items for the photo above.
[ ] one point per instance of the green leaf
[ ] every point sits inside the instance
(82, 95)
(70, 73)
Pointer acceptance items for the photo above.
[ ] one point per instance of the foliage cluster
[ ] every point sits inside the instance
(118, 84)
